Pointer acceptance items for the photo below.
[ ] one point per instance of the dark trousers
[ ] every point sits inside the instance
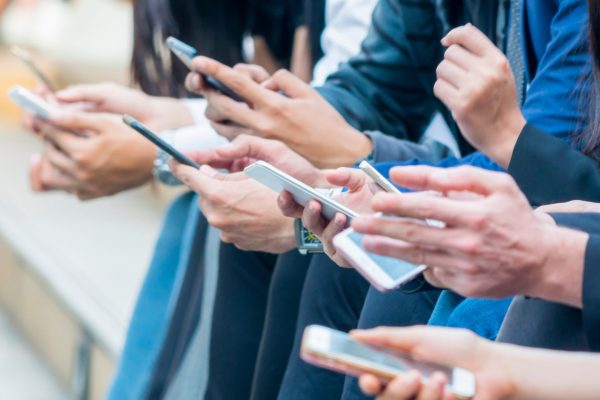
(254, 320)
(332, 296)
(391, 309)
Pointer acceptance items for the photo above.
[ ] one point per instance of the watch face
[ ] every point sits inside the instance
(309, 237)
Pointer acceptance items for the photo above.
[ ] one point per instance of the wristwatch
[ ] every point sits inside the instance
(306, 241)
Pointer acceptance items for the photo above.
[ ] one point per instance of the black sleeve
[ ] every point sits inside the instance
(549, 171)
(591, 294)
(590, 223)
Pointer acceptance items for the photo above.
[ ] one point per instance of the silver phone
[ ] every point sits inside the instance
(279, 181)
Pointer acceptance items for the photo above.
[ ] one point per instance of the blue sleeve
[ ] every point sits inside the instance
(556, 95)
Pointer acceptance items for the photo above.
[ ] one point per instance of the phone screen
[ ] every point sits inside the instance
(346, 347)
(393, 267)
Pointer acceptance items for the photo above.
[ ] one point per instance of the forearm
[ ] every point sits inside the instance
(544, 374)
(560, 276)
(174, 113)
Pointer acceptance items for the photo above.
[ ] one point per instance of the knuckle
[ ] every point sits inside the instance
(469, 247)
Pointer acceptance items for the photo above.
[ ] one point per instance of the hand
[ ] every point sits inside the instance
(112, 158)
(476, 83)
(358, 197)
(245, 150)
(443, 346)
(493, 244)
(242, 209)
(302, 119)
(158, 113)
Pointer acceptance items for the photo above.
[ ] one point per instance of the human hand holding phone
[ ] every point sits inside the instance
(301, 119)
(361, 189)
(157, 113)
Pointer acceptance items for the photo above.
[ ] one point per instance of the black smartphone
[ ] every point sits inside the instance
(154, 138)
(186, 53)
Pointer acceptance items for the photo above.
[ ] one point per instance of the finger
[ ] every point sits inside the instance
(60, 161)
(53, 179)
(288, 206)
(447, 93)
(350, 178)
(234, 177)
(197, 180)
(95, 93)
(252, 147)
(229, 131)
(461, 57)
(229, 110)
(430, 276)
(334, 227)
(471, 38)
(194, 83)
(451, 73)
(434, 388)
(209, 157)
(312, 218)
(403, 339)
(403, 387)
(422, 207)
(288, 83)
(370, 385)
(66, 141)
(464, 178)
(242, 85)
(77, 120)
(414, 254)
(257, 73)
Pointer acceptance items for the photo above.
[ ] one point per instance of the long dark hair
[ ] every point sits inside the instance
(589, 141)
(215, 28)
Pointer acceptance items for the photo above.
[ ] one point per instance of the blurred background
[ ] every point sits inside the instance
(69, 271)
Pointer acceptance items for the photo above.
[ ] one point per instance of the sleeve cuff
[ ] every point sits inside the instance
(591, 294)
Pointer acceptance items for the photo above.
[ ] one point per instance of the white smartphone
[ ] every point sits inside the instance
(31, 102)
(378, 178)
(384, 273)
(279, 181)
(337, 351)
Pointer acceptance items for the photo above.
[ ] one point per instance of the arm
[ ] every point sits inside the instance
(387, 87)
(533, 166)
(501, 371)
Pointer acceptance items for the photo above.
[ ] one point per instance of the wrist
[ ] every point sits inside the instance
(502, 152)
(169, 113)
(354, 148)
(560, 275)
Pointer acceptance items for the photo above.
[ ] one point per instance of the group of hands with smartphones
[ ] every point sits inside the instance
(474, 230)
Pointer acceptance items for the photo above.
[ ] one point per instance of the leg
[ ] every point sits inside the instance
(332, 296)
(238, 318)
(280, 324)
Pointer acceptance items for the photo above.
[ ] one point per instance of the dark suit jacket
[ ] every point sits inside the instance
(549, 171)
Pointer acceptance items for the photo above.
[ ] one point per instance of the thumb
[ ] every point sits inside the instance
(288, 83)
(351, 178)
(77, 120)
(251, 147)
(95, 93)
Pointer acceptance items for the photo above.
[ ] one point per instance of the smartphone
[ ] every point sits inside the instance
(154, 138)
(384, 273)
(25, 57)
(186, 53)
(338, 351)
(378, 178)
(279, 181)
(31, 102)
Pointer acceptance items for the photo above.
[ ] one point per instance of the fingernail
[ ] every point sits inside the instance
(208, 170)
(339, 219)
(313, 207)
(196, 80)
(200, 63)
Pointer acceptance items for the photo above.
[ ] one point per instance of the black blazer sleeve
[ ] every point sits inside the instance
(590, 223)
(549, 171)
(591, 292)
